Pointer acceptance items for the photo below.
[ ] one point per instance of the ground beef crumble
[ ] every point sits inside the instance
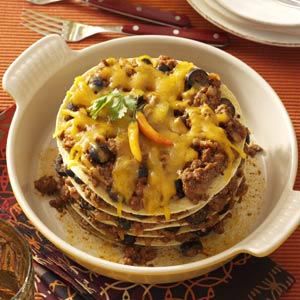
(68, 141)
(102, 174)
(235, 131)
(242, 189)
(166, 63)
(102, 156)
(136, 201)
(58, 203)
(198, 217)
(61, 189)
(252, 150)
(47, 185)
(191, 248)
(196, 177)
(219, 227)
(219, 201)
(135, 255)
(210, 95)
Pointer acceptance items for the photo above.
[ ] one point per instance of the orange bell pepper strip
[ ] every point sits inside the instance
(150, 132)
(133, 137)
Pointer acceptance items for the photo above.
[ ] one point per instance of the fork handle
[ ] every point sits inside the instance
(142, 12)
(216, 38)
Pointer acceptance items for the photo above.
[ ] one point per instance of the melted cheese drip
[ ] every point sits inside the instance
(167, 93)
(125, 175)
(119, 209)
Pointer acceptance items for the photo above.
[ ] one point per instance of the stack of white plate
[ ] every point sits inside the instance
(273, 22)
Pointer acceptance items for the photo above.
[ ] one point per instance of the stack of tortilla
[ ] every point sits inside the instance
(92, 205)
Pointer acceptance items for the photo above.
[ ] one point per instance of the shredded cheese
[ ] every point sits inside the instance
(167, 94)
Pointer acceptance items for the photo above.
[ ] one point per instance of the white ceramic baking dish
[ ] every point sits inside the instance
(38, 80)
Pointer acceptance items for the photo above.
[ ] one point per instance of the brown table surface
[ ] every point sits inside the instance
(279, 66)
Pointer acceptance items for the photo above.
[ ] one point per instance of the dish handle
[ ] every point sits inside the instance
(280, 224)
(25, 76)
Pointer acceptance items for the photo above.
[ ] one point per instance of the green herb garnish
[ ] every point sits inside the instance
(118, 105)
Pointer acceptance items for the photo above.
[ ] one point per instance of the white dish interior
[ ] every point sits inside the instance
(33, 125)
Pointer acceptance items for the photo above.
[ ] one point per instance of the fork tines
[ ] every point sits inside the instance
(41, 23)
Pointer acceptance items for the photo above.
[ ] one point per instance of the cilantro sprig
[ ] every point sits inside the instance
(118, 105)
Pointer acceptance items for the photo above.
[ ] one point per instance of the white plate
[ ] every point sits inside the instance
(216, 14)
(271, 12)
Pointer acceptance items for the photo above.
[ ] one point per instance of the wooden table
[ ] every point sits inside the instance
(279, 66)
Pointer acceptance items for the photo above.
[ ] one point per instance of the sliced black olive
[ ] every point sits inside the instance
(124, 224)
(198, 217)
(172, 229)
(96, 83)
(146, 61)
(100, 154)
(191, 248)
(141, 102)
(113, 195)
(59, 167)
(129, 240)
(143, 171)
(230, 106)
(70, 173)
(179, 188)
(78, 180)
(248, 138)
(164, 68)
(197, 78)
(177, 113)
(72, 106)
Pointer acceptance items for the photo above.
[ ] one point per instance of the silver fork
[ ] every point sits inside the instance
(69, 30)
(75, 31)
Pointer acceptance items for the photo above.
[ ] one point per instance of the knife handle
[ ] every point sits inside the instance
(142, 12)
(206, 36)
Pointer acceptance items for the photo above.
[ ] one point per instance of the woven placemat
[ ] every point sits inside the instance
(279, 66)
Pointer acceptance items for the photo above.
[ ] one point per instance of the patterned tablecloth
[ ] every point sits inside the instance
(279, 66)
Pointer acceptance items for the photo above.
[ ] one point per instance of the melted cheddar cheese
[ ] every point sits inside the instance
(165, 92)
